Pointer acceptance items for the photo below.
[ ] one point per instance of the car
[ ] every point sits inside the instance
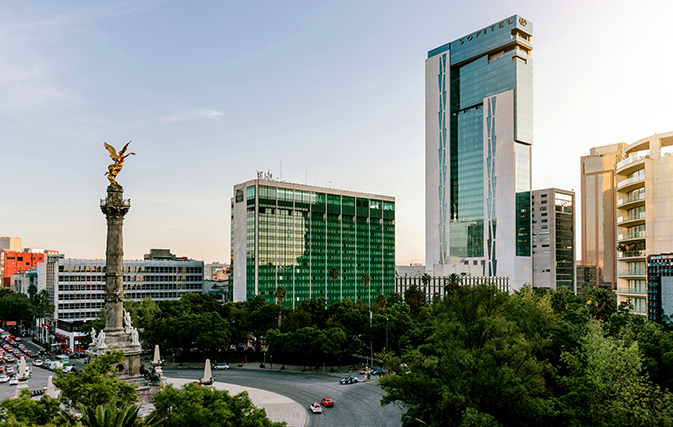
(37, 362)
(9, 370)
(378, 371)
(13, 381)
(327, 402)
(9, 359)
(4, 379)
(348, 380)
(221, 366)
(315, 408)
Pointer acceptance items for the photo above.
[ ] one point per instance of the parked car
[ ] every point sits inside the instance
(378, 371)
(327, 402)
(37, 362)
(348, 380)
(221, 366)
(315, 408)
(4, 379)
(14, 381)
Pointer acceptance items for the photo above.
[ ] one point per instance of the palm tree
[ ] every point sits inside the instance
(426, 278)
(451, 283)
(381, 301)
(334, 275)
(111, 416)
(366, 280)
(414, 296)
(602, 303)
(281, 293)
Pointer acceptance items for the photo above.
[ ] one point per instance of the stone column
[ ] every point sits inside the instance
(114, 208)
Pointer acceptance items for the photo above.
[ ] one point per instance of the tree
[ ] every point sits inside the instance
(334, 275)
(110, 416)
(366, 280)
(413, 296)
(32, 412)
(477, 356)
(97, 385)
(281, 293)
(606, 386)
(197, 406)
(425, 279)
(602, 303)
(381, 301)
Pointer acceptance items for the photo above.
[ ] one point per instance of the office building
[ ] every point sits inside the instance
(599, 223)
(644, 214)
(554, 239)
(479, 134)
(15, 262)
(10, 244)
(660, 288)
(76, 288)
(293, 235)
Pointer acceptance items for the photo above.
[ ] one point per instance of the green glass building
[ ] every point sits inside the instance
(294, 235)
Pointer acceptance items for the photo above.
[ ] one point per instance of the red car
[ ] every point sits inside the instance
(327, 402)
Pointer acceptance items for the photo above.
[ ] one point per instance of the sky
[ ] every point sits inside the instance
(323, 93)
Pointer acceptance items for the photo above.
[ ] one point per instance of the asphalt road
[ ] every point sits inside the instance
(355, 404)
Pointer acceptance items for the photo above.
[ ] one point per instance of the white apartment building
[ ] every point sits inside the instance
(644, 214)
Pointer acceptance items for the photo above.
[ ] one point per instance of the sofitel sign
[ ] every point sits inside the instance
(500, 24)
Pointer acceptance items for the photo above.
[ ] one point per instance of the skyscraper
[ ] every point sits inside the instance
(644, 216)
(554, 239)
(599, 224)
(479, 133)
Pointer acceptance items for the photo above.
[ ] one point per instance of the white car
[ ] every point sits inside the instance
(4, 379)
(221, 366)
(315, 408)
(13, 381)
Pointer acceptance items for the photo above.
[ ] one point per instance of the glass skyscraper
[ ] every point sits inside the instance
(479, 133)
(293, 235)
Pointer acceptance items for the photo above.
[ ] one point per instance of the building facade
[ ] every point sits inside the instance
(15, 262)
(479, 134)
(10, 243)
(554, 239)
(644, 214)
(76, 288)
(436, 286)
(660, 288)
(293, 235)
(599, 223)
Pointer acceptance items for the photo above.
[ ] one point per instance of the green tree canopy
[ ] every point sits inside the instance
(197, 406)
(97, 385)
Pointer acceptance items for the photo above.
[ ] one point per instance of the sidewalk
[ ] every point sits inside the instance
(278, 408)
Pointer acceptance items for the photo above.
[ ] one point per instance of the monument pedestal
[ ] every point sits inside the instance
(120, 340)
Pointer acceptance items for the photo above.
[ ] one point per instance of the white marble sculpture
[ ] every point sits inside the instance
(101, 340)
(134, 337)
(51, 390)
(127, 322)
(94, 338)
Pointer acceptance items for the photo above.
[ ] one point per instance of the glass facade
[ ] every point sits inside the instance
(492, 61)
(565, 241)
(301, 235)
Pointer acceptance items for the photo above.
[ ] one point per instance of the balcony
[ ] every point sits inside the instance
(633, 198)
(632, 272)
(630, 182)
(631, 159)
(632, 254)
(640, 216)
(632, 290)
(632, 235)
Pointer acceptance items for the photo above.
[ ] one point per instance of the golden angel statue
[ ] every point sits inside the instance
(118, 159)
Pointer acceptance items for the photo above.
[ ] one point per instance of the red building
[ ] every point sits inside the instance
(14, 262)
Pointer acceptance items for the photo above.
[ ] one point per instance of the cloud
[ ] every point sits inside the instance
(192, 115)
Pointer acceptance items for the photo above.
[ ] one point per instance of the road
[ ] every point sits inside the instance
(355, 404)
